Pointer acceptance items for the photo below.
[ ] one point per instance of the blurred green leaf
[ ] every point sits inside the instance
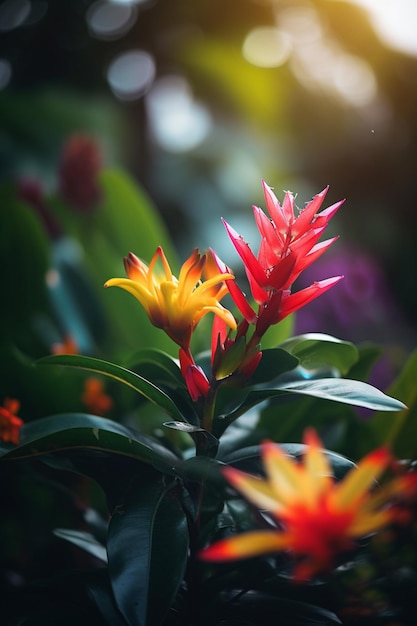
(400, 432)
(129, 220)
(147, 550)
(24, 261)
(278, 333)
(145, 387)
(316, 351)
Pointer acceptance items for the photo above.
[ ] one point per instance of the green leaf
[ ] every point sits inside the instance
(274, 362)
(317, 351)
(346, 391)
(143, 386)
(129, 219)
(401, 433)
(76, 431)
(162, 365)
(147, 550)
(97, 582)
(85, 541)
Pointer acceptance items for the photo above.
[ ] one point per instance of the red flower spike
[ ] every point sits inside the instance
(289, 244)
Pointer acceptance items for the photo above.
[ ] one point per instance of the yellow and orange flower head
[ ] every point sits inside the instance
(318, 518)
(10, 423)
(176, 304)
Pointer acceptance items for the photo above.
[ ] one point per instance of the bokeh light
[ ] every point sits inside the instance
(131, 74)
(266, 47)
(177, 121)
(13, 13)
(110, 21)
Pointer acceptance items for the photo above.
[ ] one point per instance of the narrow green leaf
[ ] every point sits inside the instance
(85, 541)
(346, 391)
(147, 550)
(140, 384)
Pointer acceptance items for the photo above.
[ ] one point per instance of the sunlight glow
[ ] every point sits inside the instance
(319, 62)
(395, 22)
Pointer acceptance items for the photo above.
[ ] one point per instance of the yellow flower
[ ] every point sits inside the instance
(176, 304)
(317, 517)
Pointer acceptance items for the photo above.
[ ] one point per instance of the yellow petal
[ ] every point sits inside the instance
(318, 470)
(246, 545)
(358, 481)
(256, 490)
(287, 479)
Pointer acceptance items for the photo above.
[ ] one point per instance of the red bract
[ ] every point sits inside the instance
(289, 244)
(197, 383)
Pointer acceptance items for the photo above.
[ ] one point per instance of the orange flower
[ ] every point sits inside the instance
(95, 398)
(176, 305)
(318, 518)
(68, 346)
(10, 424)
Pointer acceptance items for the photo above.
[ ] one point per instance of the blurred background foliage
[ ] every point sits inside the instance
(130, 124)
(110, 108)
(199, 101)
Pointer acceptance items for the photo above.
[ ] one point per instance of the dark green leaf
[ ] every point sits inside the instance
(76, 431)
(143, 386)
(99, 587)
(147, 550)
(260, 606)
(163, 365)
(274, 362)
(346, 391)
